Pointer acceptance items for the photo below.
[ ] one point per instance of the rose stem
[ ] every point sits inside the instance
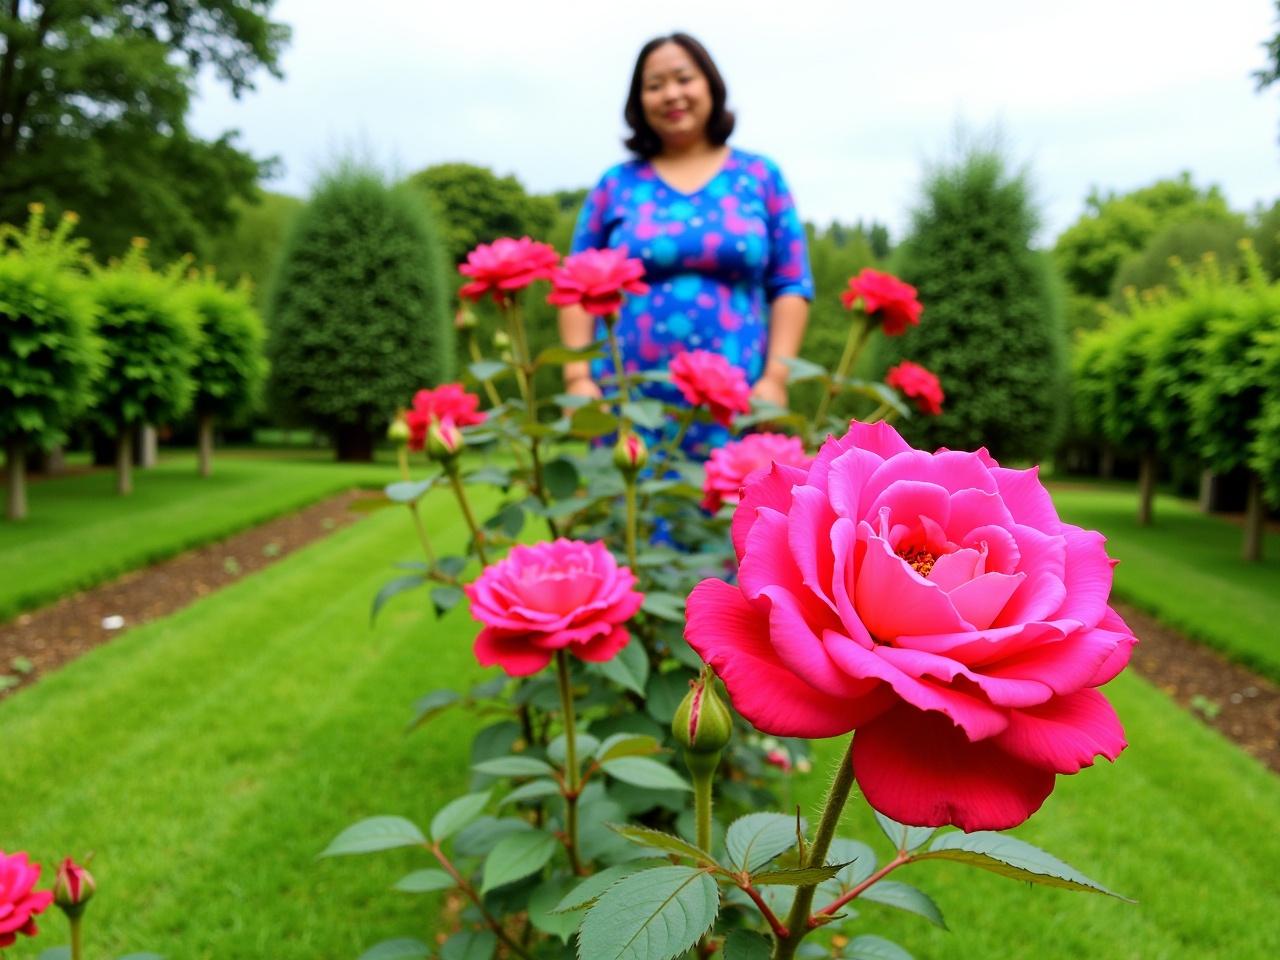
(852, 349)
(571, 762)
(475, 898)
(460, 492)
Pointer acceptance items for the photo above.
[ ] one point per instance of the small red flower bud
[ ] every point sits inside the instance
(444, 440)
(630, 454)
(73, 887)
(398, 432)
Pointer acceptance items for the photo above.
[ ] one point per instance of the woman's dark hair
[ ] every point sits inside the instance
(644, 142)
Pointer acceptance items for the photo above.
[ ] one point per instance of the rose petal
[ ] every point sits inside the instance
(1066, 733)
(513, 653)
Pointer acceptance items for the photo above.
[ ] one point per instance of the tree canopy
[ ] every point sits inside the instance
(94, 96)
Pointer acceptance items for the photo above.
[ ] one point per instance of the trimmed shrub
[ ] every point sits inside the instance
(358, 314)
(49, 356)
(993, 326)
(1158, 264)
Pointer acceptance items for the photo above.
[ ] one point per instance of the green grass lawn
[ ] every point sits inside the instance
(1186, 569)
(207, 757)
(80, 532)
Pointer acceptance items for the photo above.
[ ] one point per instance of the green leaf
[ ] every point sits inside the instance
(800, 370)
(407, 491)
(391, 588)
(542, 909)
(590, 422)
(900, 835)
(630, 668)
(905, 897)
(643, 772)
(796, 876)
(404, 948)
(652, 915)
(627, 745)
(1011, 857)
(870, 947)
(470, 945)
(515, 856)
(754, 840)
(562, 355)
(375, 833)
(514, 767)
(533, 790)
(424, 881)
(859, 861)
(456, 814)
(664, 606)
(658, 840)
(487, 369)
(584, 746)
(663, 694)
(495, 476)
(747, 945)
(55, 953)
(445, 598)
(451, 566)
(561, 478)
(590, 889)
(645, 413)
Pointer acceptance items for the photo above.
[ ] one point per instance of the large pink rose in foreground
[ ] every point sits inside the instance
(707, 379)
(19, 901)
(566, 595)
(936, 604)
(733, 464)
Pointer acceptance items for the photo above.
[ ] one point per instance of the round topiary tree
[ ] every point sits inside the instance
(992, 329)
(229, 366)
(358, 311)
(49, 355)
(149, 335)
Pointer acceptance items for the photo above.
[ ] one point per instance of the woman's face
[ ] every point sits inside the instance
(675, 95)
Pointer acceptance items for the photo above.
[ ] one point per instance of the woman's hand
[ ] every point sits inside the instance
(770, 390)
(584, 387)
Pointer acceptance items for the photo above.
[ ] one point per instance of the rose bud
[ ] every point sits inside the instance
(399, 432)
(444, 440)
(465, 318)
(702, 725)
(630, 453)
(501, 340)
(73, 887)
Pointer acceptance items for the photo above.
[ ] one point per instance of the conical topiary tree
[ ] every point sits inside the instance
(49, 355)
(149, 335)
(358, 309)
(992, 329)
(229, 363)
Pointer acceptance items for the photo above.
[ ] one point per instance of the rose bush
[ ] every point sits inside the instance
(934, 603)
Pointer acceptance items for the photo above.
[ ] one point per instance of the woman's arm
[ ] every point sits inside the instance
(788, 317)
(577, 330)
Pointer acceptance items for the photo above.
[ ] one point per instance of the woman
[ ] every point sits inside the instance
(723, 249)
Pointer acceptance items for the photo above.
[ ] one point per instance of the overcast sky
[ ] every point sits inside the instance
(852, 99)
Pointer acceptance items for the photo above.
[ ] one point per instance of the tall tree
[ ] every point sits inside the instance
(1271, 72)
(94, 96)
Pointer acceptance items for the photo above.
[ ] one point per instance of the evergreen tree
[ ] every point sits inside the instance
(358, 309)
(992, 324)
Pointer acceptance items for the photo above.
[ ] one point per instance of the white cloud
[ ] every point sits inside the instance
(851, 98)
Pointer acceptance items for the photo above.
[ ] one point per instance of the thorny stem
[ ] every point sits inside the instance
(798, 920)
(631, 522)
(852, 348)
(461, 493)
(834, 905)
(571, 762)
(770, 917)
(475, 898)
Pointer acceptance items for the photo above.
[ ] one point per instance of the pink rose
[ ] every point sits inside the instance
(885, 297)
(596, 281)
(506, 265)
(707, 379)
(565, 595)
(919, 384)
(936, 604)
(733, 464)
(447, 401)
(19, 902)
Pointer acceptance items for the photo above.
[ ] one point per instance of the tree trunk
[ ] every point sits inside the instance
(206, 444)
(55, 461)
(1254, 518)
(353, 444)
(124, 461)
(16, 462)
(1146, 487)
(149, 444)
(1107, 462)
(1206, 490)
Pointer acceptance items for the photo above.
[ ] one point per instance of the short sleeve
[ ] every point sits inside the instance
(593, 227)
(788, 270)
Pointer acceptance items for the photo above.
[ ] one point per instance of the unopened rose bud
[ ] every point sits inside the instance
(501, 340)
(399, 433)
(465, 318)
(72, 887)
(630, 453)
(444, 440)
(702, 725)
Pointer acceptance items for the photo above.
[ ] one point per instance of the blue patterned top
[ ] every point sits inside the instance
(714, 259)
